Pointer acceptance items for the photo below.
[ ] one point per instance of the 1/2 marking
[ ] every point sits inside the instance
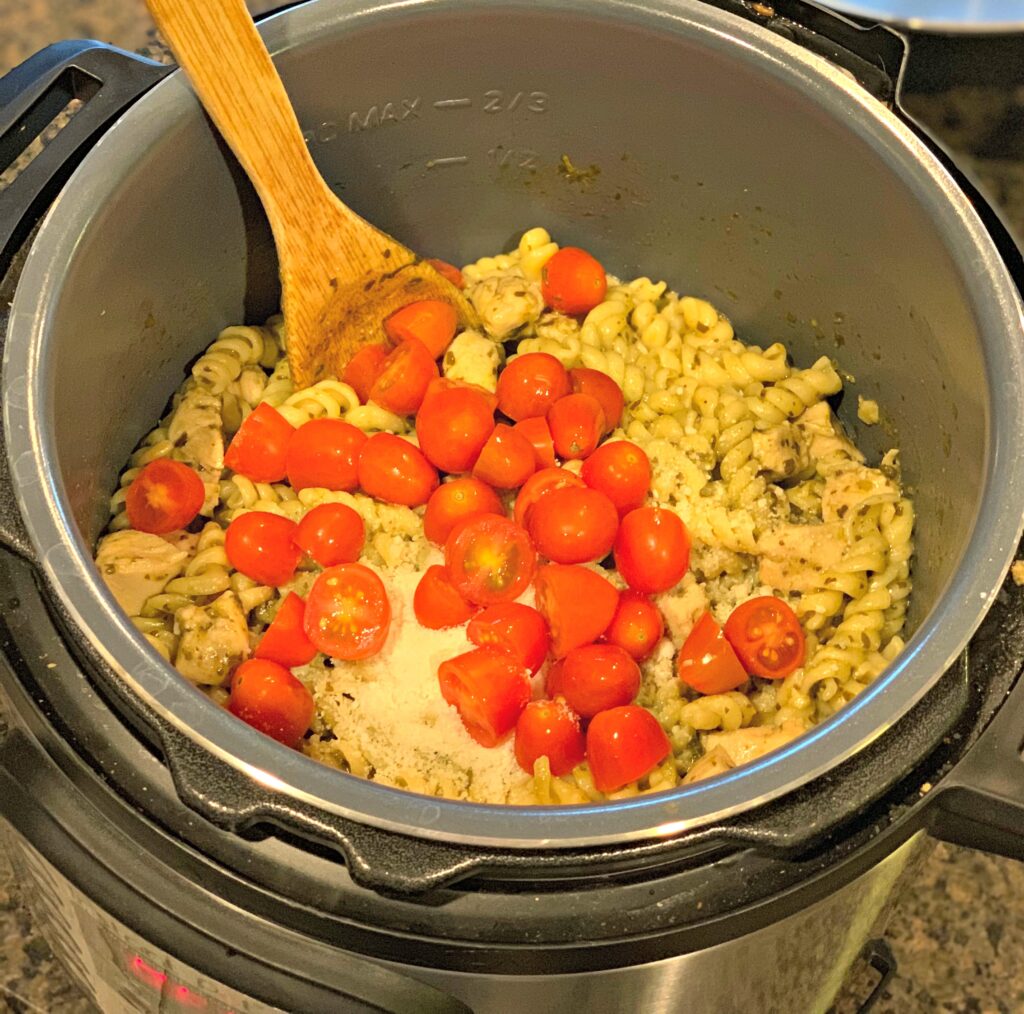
(514, 158)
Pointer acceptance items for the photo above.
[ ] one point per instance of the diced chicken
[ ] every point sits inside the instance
(558, 327)
(198, 437)
(821, 437)
(848, 489)
(682, 608)
(744, 745)
(715, 762)
(214, 639)
(506, 303)
(135, 565)
(777, 452)
(474, 359)
(794, 557)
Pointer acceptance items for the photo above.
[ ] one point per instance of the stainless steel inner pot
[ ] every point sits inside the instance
(725, 159)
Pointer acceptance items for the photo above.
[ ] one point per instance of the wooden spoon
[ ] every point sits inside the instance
(340, 277)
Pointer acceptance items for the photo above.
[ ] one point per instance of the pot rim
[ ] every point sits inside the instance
(67, 561)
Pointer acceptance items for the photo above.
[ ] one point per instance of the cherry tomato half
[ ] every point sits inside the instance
(549, 729)
(623, 745)
(577, 423)
(767, 637)
(600, 386)
(652, 549)
(268, 697)
(538, 432)
(597, 677)
(489, 559)
(506, 460)
(431, 321)
(393, 470)
(324, 454)
(347, 612)
(578, 604)
(620, 470)
(404, 377)
(331, 533)
(259, 450)
(446, 270)
(446, 384)
(261, 546)
(285, 641)
(453, 425)
(437, 603)
(514, 628)
(165, 496)
(452, 501)
(573, 282)
(364, 368)
(573, 525)
(530, 385)
(706, 660)
(539, 485)
(489, 689)
(637, 626)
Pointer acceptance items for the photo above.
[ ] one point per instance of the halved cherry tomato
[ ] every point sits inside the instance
(324, 453)
(393, 470)
(530, 385)
(268, 697)
(553, 678)
(446, 384)
(549, 729)
(597, 677)
(452, 501)
(514, 628)
(573, 525)
(449, 271)
(577, 423)
(506, 460)
(261, 545)
(489, 559)
(637, 626)
(577, 603)
(332, 533)
(259, 450)
(364, 368)
(706, 660)
(620, 470)
(347, 612)
(538, 432)
(573, 282)
(652, 549)
(623, 745)
(453, 425)
(431, 321)
(165, 496)
(539, 485)
(767, 637)
(404, 377)
(600, 386)
(285, 641)
(489, 689)
(437, 603)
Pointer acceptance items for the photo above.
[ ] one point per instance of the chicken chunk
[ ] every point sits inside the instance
(821, 437)
(214, 639)
(196, 432)
(506, 303)
(681, 608)
(778, 453)
(848, 489)
(474, 359)
(794, 557)
(715, 762)
(135, 565)
(744, 745)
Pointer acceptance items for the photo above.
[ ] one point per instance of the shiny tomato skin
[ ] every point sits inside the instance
(623, 745)
(530, 385)
(324, 454)
(285, 641)
(364, 368)
(652, 549)
(446, 270)
(577, 423)
(447, 384)
(268, 697)
(620, 470)
(437, 603)
(489, 559)
(331, 533)
(453, 425)
(514, 628)
(538, 432)
(452, 501)
(165, 496)
(573, 525)
(601, 387)
(597, 677)
(430, 321)
(637, 626)
(538, 486)
(577, 603)
(707, 661)
(489, 689)
(393, 470)
(507, 459)
(261, 545)
(348, 614)
(404, 377)
(767, 637)
(573, 281)
(549, 729)
(259, 450)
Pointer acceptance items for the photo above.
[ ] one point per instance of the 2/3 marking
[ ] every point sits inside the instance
(498, 101)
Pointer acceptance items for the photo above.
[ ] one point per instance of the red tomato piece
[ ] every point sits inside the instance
(623, 745)
(707, 662)
(268, 697)
(489, 689)
(431, 321)
(637, 626)
(165, 496)
(577, 423)
(514, 628)
(549, 729)
(506, 460)
(597, 677)
(573, 525)
(393, 470)
(539, 485)
(577, 603)
(447, 384)
(331, 533)
(553, 678)
(446, 270)
(437, 603)
(347, 612)
(489, 559)
(364, 368)
(285, 641)
(452, 501)
(600, 386)
(767, 637)
(538, 432)
(453, 426)
(652, 549)
(530, 385)
(259, 450)
(261, 545)
(573, 282)
(620, 470)
(404, 377)
(324, 454)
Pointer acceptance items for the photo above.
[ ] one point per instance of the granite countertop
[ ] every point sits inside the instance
(958, 931)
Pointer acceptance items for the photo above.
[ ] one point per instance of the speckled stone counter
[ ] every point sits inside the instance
(958, 931)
